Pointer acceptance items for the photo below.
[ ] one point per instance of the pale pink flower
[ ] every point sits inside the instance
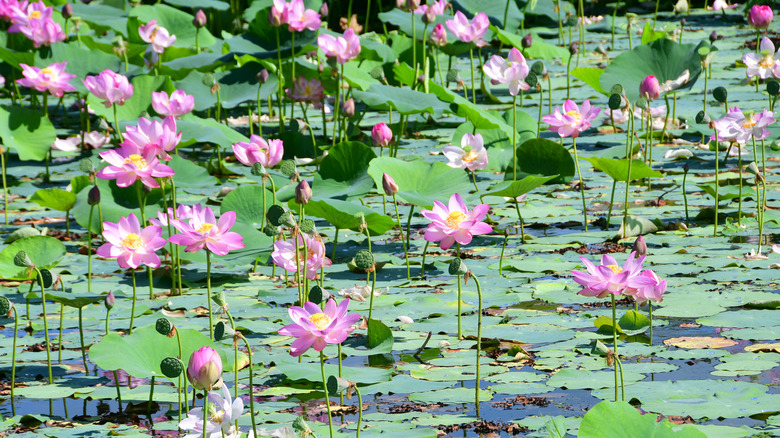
(512, 71)
(268, 153)
(300, 18)
(468, 32)
(278, 14)
(131, 245)
(92, 140)
(151, 135)
(43, 32)
(741, 127)
(53, 78)
(439, 36)
(25, 15)
(223, 413)
(284, 255)
(127, 166)
(183, 213)
(573, 121)
(471, 155)
(607, 278)
(719, 5)
(204, 230)
(315, 327)
(455, 223)
(343, 48)
(157, 36)
(307, 91)
(112, 87)
(646, 287)
(381, 134)
(765, 64)
(179, 104)
(437, 8)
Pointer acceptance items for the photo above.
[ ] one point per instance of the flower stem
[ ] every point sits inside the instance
(83, 350)
(116, 126)
(460, 333)
(5, 186)
(118, 391)
(403, 242)
(582, 183)
(473, 84)
(650, 308)
(325, 389)
(685, 199)
(208, 292)
(514, 138)
(611, 202)
(630, 157)
(205, 411)
(132, 309)
(739, 205)
(89, 249)
(717, 184)
(281, 84)
(614, 342)
(479, 339)
(13, 360)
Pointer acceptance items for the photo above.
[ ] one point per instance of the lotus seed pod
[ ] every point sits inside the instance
(640, 247)
(641, 103)
(453, 76)
(616, 89)
(110, 300)
(86, 165)
(288, 168)
(772, 87)
(287, 219)
(300, 426)
(720, 94)
(316, 294)
(302, 193)
(93, 197)
(364, 259)
(47, 277)
(752, 168)
(171, 367)
(258, 169)
(307, 226)
(702, 117)
(538, 68)
(5, 306)
(219, 298)
(270, 230)
(615, 102)
(457, 267)
(599, 348)
(219, 331)
(389, 185)
(377, 73)
(531, 79)
(163, 326)
(208, 79)
(527, 41)
(336, 385)
(22, 260)
(274, 215)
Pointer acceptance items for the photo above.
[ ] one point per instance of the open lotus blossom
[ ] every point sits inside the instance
(437, 7)
(222, 415)
(7, 8)
(284, 255)
(157, 36)
(53, 78)
(112, 87)
(27, 15)
(177, 105)
(315, 327)
(203, 230)
(608, 277)
(469, 31)
(471, 155)
(765, 64)
(152, 136)
(438, 36)
(305, 90)
(127, 165)
(258, 150)
(299, 18)
(573, 120)
(343, 48)
(721, 5)
(741, 127)
(131, 245)
(92, 140)
(646, 287)
(183, 213)
(361, 293)
(620, 116)
(455, 223)
(43, 32)
(511, 70)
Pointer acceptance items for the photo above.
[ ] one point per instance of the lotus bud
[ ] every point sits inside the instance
(86, 165)
(527, 41)
(348, 107)
(640, 247)
(364, 260)
(421, 79)
(205, 368)
(275, 17)
(457, 267)
(307, 226)
(428, 16)
(411, 5)
(772, 87)
(686, 167)
(67, 11)
(760, 16)
(574, 48)
(303, 193)
(649, 88)
(163, 326)
(274, 215)
(714, 36)
(110, 300)
(381, 134)
(720, 94)
(5, 306)
(93, 197)
(438, 36)
(389, 185)
(22, 260)
(171, 367)
(683, 22)
(324, 10)
(200, 19)
(262, 76)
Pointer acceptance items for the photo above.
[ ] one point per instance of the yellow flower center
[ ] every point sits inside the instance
(749, 123)
(132, 241)
(152, 35)
(767, 62)
(455, 218)
(469, 157)
(45, 71)
(575, 114)
(615, 268)
(218, 416)
(320, 320)
(307, 90)
(34, 15)
(136, 160)
(205, 228)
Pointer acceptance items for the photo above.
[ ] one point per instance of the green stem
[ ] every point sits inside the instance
(205, 410)
(650, 308)
(83, 350)
(325, 389)
(739, 205)
(360, 410)
(473, 83)
(89, 249)
(208, 292)
(614, 342)
(403, 242)
(501, 258)
(582, 184)
(59, 341)
(460, 333)
(13, 360)
(630, 158)
(251, 386)
(422, 265)
(717, 184)
(414, 49)
(514, 138)
(5, 186)
(132, 309)
(116, 126)
(149, 403)
(479, 340)
(118, 391)
(685, 200)
(313, 139)
(611, 202)
(408, 226)
(281, 84)
(45, 325)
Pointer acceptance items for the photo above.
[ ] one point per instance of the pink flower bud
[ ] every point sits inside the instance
(303, 193)
(650, 89)
(382, 135)
(640, 247)
(110, 300)
(262, 76)
(428, 16)
(200, 19)
(388, 183)
(324, 10)
(760, 16)
(439, 36)
(348, 108)
(205, 368)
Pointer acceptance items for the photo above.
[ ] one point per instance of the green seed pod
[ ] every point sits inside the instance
(364, 259)
(336, 385)
(378, 73)
(772, 87)
(616, 89)
(258, 169)
(208, 79)
(531, 79)
(5, 306)
(538, 68)
(702, 117)
(720, 94)
(288, 168)
(307, 226)
(641, 103)
(163, 326)
(615, 102)
(171, 367)
(48, 278)
(287, 219)
(270, 230)
(452, 75)
(22, 260)
(86, 166)
(457, 267)
(274, 215)
(316, 294)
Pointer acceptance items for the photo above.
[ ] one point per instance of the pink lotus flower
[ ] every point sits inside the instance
(53, 78)
(467, 31)
(608, 277)
(314, 327)
(307, 91)
(719, 5)
(439, 36)
(437, 8)
(343, 48)
(126, 166)
(649, 88)
(646, 287)
(204, 368)
(25, 15)
(471, 155)
(203, 230)
(112, 87)
(157, 36)
(573, 121)
(152, 136)
(43, 32)
(268, 153)
(381, 134)
(760, 16)
(284, 255)
(512, 71)
(741, 127)
(92, 140)
(7, 8)
(455, 222)
(183, 213)
(131, 245)
(763, 65)
(179, 104)
(300, 18)
(277, 15)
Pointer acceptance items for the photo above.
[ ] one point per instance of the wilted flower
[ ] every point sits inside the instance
(204, 368)
(607, 278)
(455, 223)
(127, 165)
(131, 245)
(203, 230)
(763, 65)
(284, 255)
(268, 153)
(179, 104)
(467, 31)
(53, 78)
(314, 327)
(343, 48)
(471, 155)
(573, 121)
(512, 71)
